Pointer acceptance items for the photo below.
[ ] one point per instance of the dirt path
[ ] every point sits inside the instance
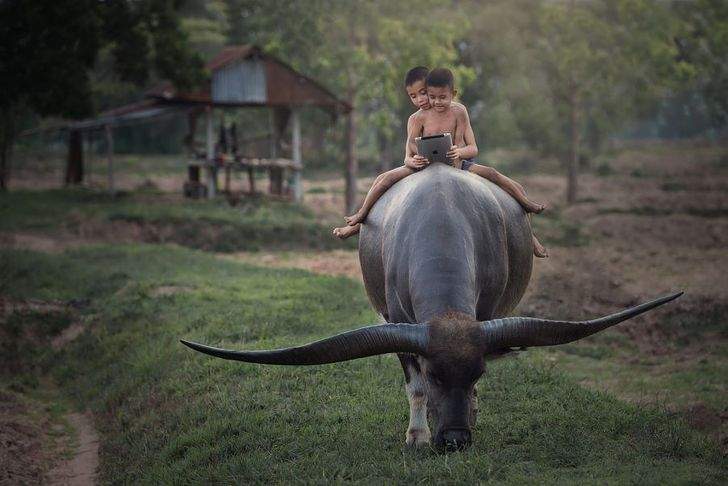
(80, 470)
(37, 447)
(37, 444)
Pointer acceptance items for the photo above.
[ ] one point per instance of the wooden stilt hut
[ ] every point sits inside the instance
(244, 77)
(240, 77)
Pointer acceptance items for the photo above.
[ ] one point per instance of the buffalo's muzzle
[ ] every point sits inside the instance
(452, 440)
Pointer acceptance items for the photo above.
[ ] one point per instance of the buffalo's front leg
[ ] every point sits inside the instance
(418, 432)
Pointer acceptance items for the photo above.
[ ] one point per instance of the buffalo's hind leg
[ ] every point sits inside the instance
(418, 431)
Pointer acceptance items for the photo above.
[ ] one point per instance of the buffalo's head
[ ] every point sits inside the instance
(451, 353)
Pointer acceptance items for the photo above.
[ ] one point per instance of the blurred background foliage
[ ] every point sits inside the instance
(560, 77)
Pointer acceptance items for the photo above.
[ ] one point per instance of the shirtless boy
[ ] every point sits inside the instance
(433, 94)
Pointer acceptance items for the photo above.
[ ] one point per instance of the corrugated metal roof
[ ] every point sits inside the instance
(132, 113)
(284, 86)
(230, 54)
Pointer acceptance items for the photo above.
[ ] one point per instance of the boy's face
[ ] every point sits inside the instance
(417, 93)
(440, 97)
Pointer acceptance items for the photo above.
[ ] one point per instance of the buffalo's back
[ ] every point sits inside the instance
(473, 227)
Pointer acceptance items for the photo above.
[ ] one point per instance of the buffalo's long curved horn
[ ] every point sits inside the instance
(511, 332)
(359, 343)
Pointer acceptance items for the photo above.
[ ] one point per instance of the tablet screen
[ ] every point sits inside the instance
(435, 147)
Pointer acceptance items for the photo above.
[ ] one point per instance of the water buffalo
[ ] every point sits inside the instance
(445, 256)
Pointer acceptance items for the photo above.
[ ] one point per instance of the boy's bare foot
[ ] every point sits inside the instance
(539, 250)
(355, 218)
(533, 207)
(346, 231)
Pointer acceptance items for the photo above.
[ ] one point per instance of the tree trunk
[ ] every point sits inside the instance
(110, 158)
(573, 163)
(4, 164)
(7, 138)
(74, 163)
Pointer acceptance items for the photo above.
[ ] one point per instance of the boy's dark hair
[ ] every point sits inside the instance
(415, 74)
(440, 78)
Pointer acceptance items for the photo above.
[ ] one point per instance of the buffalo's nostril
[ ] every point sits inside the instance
(455, 440)
(453, 445)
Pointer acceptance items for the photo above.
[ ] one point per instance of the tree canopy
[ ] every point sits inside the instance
(48, 49)
(558, 76)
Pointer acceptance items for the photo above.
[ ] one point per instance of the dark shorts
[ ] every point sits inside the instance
(467, 163)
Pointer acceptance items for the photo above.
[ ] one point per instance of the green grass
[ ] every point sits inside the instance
(257, 223)
(49, 160)
(147, 165)
(169, 415)
(696, 340)
(676, 385)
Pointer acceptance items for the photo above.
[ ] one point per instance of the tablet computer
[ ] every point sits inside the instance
(435, 147)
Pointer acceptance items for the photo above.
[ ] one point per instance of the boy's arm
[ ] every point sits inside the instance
(414, 129)
(470, 149)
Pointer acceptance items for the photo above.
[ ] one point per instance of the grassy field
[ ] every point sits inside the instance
(95, 294)
(168, 414)
(151, 216)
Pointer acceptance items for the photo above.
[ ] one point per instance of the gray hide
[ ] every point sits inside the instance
(444, 240)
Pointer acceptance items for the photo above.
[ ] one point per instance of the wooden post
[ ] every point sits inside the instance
(110, 157)
(89, 157)
(275, 175)
(274, 183)
(74, 164)
(573, 162)
(251, 180)
(228, 169)
(351, 163)
(189, 139)
(273, 127)
(296, 143)
(210, 154)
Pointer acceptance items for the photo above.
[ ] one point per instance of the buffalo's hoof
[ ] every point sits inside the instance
(418, 438)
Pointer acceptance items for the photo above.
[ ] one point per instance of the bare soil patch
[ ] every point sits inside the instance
(65, 310)
(68, 335)
(22, 458)
(9, 306)
(34, 449)
(325, 197)
(166, 290)
(31, 440)
(337, 262)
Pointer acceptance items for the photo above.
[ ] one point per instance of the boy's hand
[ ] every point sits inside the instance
(416, 162)
(454, 154)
